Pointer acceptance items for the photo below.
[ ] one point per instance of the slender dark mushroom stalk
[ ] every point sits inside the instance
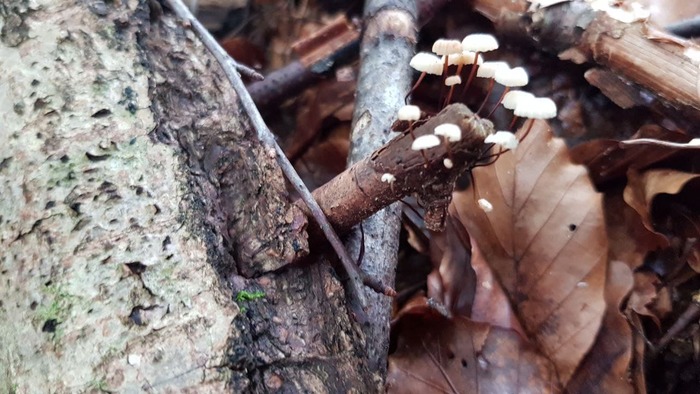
(446, 48)
(450, 133)
(489, 70)
(425, 142)
(477, 43)
(511, 100)
(425, 63)
(515, 77)
(465, 58)
(451, 81)
(536, 108)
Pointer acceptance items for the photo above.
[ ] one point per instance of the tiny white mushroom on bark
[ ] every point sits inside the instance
(485, 205)
(388, 178)
(489, 70)
(450, 131)
(426, 63)
(409, 113)
(448, 163)
(477, 43)
(513, 77)
(536, 108)
(425, 142)
(506, 139)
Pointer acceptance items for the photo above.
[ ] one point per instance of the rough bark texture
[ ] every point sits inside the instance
(384, 80)
(359, 191)
(668, 77)
(134, 198)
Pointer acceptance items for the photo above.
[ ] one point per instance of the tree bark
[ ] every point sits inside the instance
(387, 45)
(137, 207)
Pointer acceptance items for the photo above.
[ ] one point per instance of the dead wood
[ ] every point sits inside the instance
(384, 78)
(359, 192)
(660, 68)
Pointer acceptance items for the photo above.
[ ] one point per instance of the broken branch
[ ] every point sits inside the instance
(635, 51)
(359, 191)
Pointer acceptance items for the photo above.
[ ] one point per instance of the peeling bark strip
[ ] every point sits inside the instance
(359, 192)
(386, 48)
(577, 33)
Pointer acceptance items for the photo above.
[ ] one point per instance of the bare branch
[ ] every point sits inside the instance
(356, 297)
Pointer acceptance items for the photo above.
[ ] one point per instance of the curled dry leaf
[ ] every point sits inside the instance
(642, 190)
(438, 355)
(545, 240)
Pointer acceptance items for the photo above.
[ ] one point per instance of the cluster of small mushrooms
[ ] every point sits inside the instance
(468, 53)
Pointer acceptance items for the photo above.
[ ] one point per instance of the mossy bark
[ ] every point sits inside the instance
(136, 204)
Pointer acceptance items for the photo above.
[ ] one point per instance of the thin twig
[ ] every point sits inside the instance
(356, 277)
(693, 144)
(690, 314)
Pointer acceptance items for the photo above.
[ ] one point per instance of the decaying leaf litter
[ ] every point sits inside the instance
(587, 256)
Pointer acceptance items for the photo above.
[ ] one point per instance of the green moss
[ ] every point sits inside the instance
(244, 296)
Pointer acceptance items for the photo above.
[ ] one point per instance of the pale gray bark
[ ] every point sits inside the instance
(387, 46)
(134, 198)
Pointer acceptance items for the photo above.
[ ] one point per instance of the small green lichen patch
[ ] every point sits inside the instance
(244, 295)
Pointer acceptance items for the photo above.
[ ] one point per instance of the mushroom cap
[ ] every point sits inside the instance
(512, 98)
(388, 178)
(443, 46)
(448, 163)
(463, 58)
(425, 142)
(513, 77)
(409, 112)
(479, 43)
(426, 62)
(450, 131)
(485, 205)
(506, 139)
(453, 80)
(489, 69)
(536, 108)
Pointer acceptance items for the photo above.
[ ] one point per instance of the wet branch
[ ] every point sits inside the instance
(656, 62)
(359, 192)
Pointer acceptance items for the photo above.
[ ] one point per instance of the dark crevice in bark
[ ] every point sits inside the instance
(298, 336)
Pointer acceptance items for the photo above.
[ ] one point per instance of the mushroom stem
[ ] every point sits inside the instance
(410, 131)
(415, 86)
(500, 100)
(444, 77)
(492, 82)
(472, 73)
(449, 96)
(512, 123)
(529, 127)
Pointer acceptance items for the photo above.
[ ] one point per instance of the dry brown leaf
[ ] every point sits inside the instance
(491, 304)
(605, 368)
(629, 240)
(545, 240)
(438, 355)
(643, 188)
(452, 280)
(643, 295)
